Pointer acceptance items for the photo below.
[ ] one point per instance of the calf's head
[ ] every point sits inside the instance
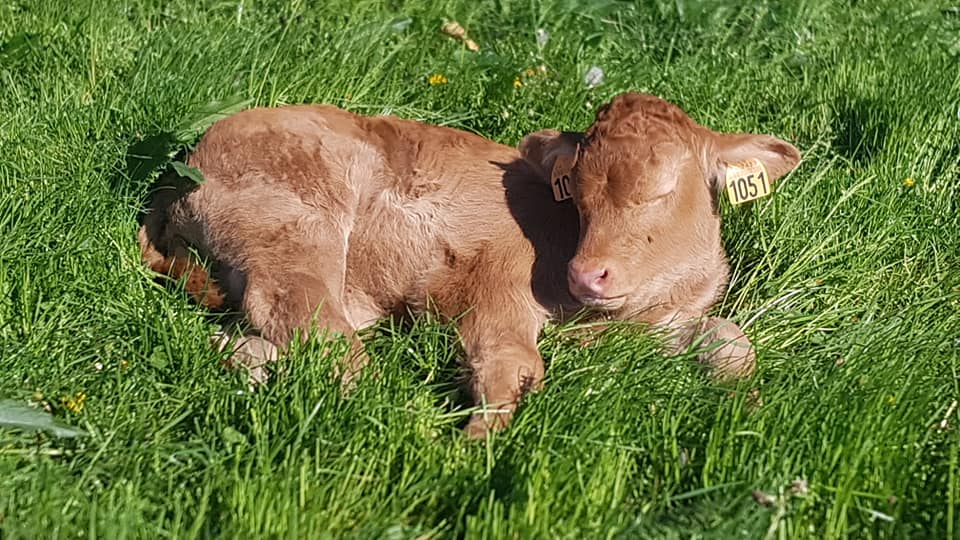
(645, 179)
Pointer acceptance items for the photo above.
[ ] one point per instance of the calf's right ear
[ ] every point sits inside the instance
(542, 149)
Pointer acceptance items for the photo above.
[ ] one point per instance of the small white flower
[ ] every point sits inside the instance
(800, 487)
(542, 37)
(594, 77)
(98, 366)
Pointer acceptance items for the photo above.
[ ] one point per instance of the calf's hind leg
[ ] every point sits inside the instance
(248, 351)
(289, 296)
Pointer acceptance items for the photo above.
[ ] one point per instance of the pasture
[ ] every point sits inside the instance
(847, 280)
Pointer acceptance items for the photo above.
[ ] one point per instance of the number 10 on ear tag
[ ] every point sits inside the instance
(746, 181)
(560, 178)
(561, 188)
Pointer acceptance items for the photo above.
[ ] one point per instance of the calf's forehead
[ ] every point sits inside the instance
(641, 138)
(622, 170)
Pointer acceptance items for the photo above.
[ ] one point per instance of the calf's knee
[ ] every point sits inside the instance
(728, 353)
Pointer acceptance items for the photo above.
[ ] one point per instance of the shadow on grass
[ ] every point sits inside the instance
(156, 151)
(147, 155)
(862, 128)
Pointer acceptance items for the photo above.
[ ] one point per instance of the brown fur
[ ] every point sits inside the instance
(313, 215)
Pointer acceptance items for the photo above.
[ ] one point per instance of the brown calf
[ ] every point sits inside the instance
(314, 215)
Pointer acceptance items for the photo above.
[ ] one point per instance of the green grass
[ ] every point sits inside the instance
(848, 280)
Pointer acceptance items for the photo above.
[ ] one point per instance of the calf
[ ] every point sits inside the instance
(314, 215)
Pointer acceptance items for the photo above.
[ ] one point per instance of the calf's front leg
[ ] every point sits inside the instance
(503, 364)
(729, 352)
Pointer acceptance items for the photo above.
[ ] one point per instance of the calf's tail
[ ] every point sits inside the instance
(167, 253)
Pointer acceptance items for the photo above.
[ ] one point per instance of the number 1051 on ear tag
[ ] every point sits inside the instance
(746, 181)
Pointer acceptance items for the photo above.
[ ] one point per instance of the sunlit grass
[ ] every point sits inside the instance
(846, 278)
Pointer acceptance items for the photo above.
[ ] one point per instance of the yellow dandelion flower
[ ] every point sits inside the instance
(892, 400)
(437, 78)
(517, 83)
(909, 182)
(74, 404)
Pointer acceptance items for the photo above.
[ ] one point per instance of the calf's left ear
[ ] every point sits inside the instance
(778, 156)
(543, 149)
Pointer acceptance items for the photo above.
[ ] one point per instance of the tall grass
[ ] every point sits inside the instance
(847, 280)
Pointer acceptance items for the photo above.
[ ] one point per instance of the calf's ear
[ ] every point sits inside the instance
(778, 156)
(543, 148)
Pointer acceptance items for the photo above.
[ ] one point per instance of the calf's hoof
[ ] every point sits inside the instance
(351, 367)
(487, 420)
(252, 353)
(730, 354)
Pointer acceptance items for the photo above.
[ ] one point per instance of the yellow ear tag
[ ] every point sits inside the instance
(747, 180)
(560, 178)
